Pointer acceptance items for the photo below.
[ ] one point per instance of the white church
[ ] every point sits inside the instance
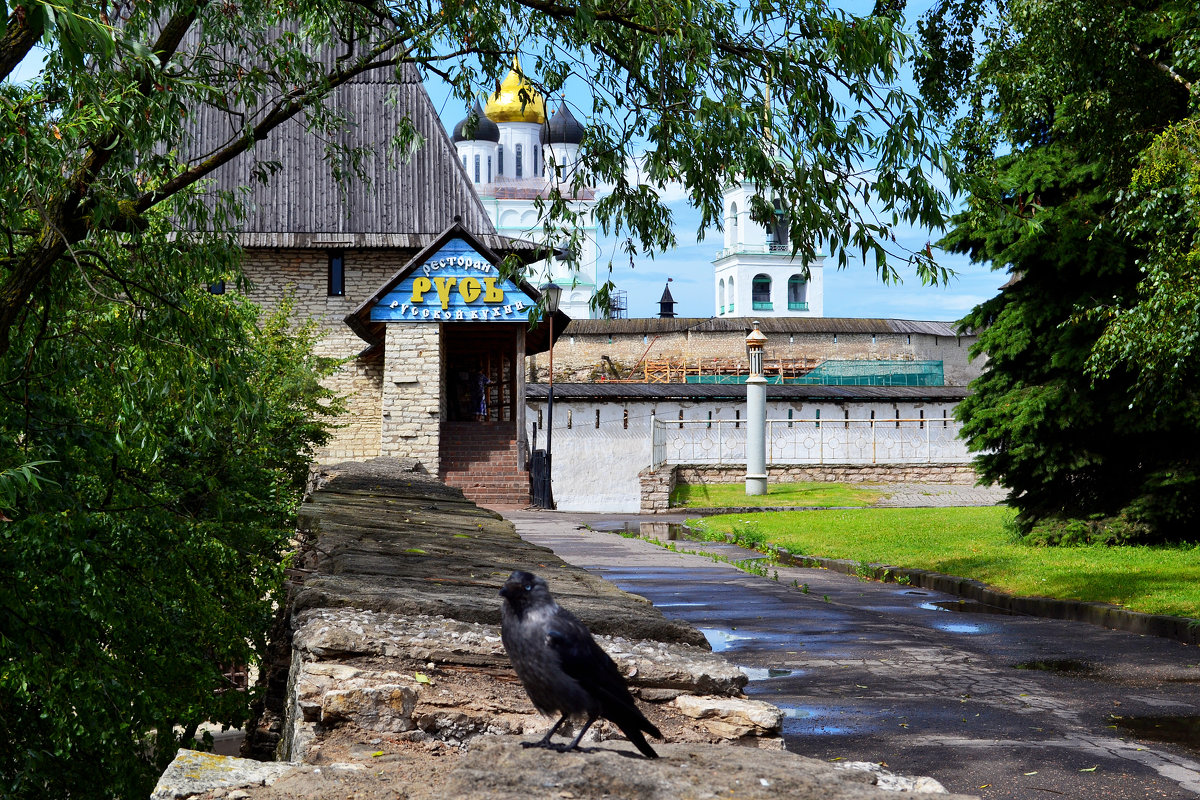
(514, 152)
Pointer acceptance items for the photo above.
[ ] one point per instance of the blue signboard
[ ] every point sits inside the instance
(456, 284)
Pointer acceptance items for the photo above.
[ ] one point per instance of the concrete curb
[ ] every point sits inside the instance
(1181, 629)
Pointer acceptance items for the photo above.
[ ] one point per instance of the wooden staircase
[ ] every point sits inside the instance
(482, 459)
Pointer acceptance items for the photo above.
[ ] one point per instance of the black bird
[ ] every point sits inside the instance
(563, 669)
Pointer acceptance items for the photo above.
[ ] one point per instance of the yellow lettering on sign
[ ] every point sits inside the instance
(420, 287)
(444, 285)
(470, 289)
(494, 293)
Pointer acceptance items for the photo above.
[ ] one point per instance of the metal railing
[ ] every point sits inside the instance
(812, 441)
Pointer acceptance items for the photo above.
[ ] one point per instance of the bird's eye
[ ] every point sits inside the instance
(529, 587)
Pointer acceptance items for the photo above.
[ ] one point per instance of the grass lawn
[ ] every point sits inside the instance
(733, 495)
(976, 543)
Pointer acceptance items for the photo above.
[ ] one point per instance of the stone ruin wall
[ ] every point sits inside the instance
(580, 358)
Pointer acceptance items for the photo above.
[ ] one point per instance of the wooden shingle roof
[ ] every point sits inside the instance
(404, 204)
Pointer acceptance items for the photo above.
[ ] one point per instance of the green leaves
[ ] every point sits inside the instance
(163, 436)
(1078, 130)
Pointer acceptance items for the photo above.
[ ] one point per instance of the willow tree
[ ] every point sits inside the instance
(154, 436)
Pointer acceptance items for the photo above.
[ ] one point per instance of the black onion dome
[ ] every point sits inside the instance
(485, 129)
(562, 127)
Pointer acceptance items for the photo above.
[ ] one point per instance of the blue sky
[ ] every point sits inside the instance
(855, 291)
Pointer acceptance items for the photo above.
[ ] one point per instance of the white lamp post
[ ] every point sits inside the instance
(551, 293)
(756, 416)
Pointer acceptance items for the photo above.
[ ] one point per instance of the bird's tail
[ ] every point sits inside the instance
(639, 741)
(632, 724)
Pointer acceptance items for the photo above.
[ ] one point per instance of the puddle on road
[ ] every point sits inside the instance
(722, 639)
(761, 674)
(1180, 730)
(1061, 666)
(967, 607)
(814, 721)
(961, 627)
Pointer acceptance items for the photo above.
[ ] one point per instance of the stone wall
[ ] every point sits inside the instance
(302, 277)
(580, 358)
(414, 395)
(657, 485)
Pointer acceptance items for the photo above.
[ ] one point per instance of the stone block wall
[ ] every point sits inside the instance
(302, 275)
(958, 474)
(414, 397)
(657, 485)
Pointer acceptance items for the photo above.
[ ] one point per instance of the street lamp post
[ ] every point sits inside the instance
(551, 293)
(756, 416)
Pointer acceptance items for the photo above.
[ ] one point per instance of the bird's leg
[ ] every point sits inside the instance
(545, 740)
(575, 744)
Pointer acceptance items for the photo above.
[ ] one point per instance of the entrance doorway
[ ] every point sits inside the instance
(481, 373)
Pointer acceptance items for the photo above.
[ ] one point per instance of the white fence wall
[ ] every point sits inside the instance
(600, 446)
(813, 441)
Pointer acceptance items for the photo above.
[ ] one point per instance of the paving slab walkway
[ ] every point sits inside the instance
(1000, 706)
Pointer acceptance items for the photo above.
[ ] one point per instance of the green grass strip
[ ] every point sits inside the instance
(978, 543)
(804, 495)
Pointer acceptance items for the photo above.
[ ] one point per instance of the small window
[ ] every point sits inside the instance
(477, 168)
(796, 294)
(760, 293)
(217, 288)
(733, 221)
(489, 170)
(597, 419)
(519, 164)
(337, 273)
(500, 160)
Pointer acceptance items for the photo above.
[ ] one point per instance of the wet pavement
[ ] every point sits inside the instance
(991, 704)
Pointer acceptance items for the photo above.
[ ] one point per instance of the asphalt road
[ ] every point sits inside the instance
(992, 705)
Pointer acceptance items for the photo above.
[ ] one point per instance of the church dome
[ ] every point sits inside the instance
(562, 127)
(485, 129)
(516, 101)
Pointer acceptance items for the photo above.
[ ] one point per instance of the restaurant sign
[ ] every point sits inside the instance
(456, 284)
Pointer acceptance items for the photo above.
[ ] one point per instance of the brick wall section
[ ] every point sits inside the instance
(413, 401)
(303, 275)
(578, 358)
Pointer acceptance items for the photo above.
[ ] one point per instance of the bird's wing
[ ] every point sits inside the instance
(585, 661)
(582, 659)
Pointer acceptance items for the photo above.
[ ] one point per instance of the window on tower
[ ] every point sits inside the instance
(760, 293)
(519, 165)
(477, 168)
(796, 294)
(489, 172)
(500, 160)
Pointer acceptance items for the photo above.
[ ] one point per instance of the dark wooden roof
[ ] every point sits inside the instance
(652, 392)
(404, 205)
(768, 325)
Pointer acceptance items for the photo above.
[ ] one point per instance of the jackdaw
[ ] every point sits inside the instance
(563, 669)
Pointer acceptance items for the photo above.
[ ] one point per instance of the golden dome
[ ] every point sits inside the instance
(506, 105)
